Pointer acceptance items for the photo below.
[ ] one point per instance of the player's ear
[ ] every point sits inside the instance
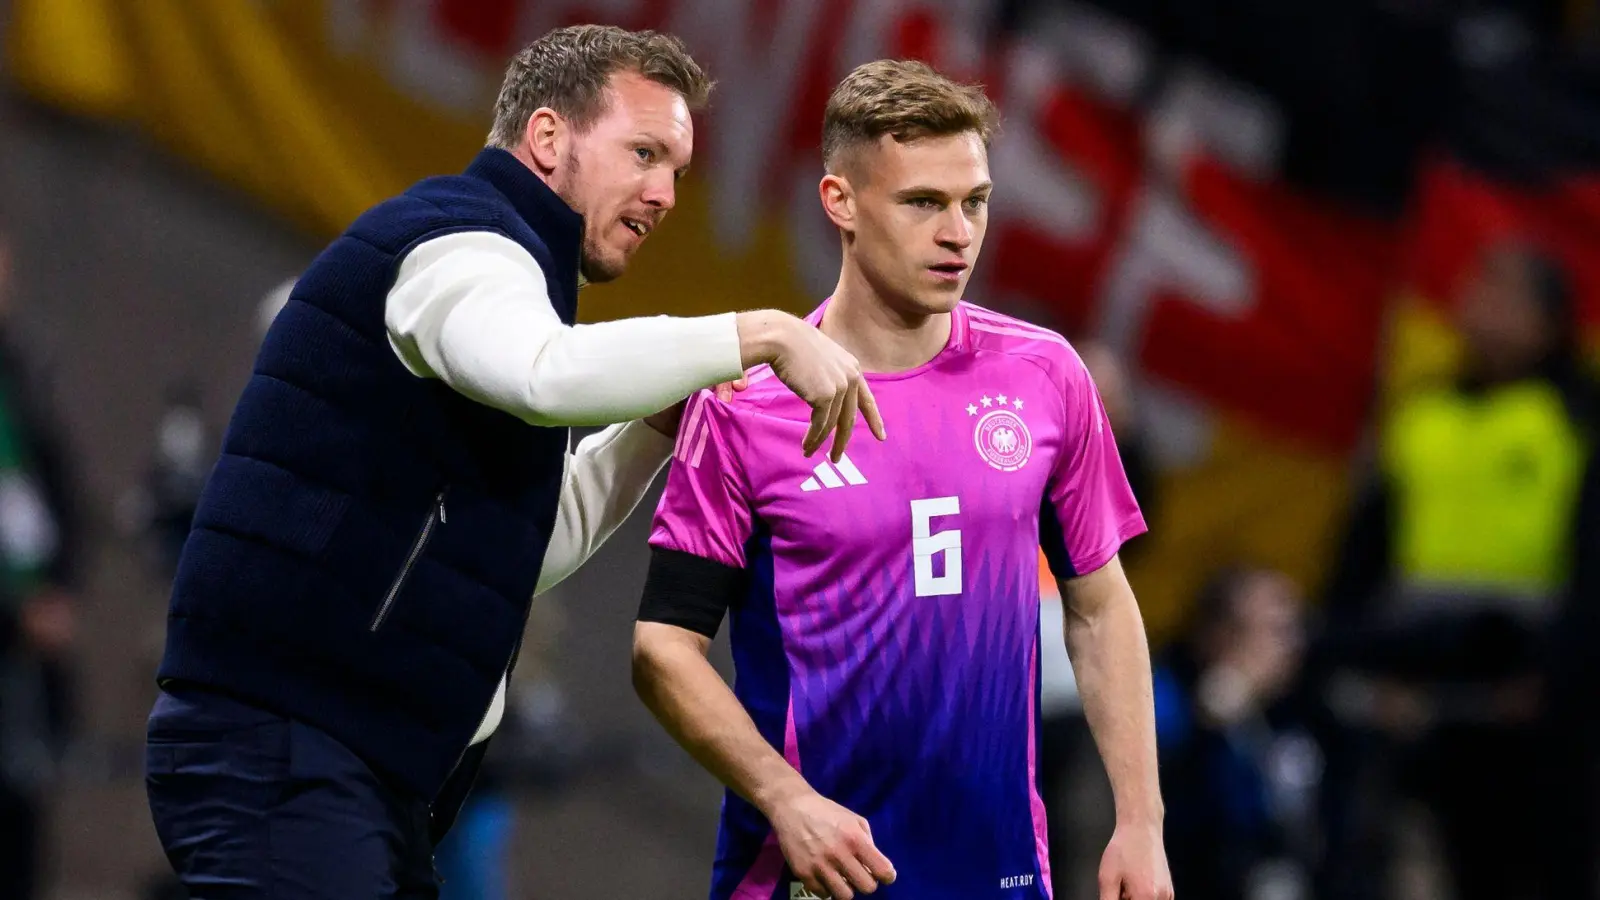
(548, 137)
(838, 200)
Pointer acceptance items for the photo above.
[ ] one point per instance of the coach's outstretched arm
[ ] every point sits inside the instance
(472, 309)
(829, 848)
(1111, 660)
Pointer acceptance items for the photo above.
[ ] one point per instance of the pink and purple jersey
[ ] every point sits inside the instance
(888, 644)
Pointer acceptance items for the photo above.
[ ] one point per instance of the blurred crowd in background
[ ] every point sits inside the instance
(1334, 264)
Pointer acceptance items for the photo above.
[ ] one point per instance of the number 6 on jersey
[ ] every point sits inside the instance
(927, 543)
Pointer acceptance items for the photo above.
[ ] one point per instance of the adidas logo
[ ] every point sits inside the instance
(797, 891)
(829, 476)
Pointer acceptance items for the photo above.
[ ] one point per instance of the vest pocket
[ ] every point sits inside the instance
(435, 518)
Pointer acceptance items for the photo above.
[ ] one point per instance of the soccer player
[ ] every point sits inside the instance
(396, 482)
(885, 607)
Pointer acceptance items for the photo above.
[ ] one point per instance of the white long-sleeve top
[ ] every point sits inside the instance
(473, 310)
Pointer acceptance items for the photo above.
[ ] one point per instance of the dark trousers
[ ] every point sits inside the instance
(19, 844)
(249, 805)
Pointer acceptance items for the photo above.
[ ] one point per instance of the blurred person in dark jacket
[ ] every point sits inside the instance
(38, 544)
(1458, 556)
(1115, 383)
(1239, 770)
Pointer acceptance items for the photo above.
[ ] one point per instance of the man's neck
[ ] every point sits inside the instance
(883, 339)
(526, 158)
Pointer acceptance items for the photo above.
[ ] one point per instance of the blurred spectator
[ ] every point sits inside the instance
(161, 509)
(1239, 771)
(38, 545)
(1069, 766)
(1115, 384)
(1455, 562)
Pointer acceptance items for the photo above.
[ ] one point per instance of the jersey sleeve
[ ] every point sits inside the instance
(705, 508)
(1089, 511)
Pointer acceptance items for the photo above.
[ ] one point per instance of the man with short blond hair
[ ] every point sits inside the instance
(904, 100)
(885, 605)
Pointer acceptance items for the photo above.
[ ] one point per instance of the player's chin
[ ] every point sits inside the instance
(940, 297)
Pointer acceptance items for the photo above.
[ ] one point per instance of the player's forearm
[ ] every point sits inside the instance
(687, 696)
(604, 481)
(1111, 660)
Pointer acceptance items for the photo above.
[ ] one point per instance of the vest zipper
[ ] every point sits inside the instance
(435, 516)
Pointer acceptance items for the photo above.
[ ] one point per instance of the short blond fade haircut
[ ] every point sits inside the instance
(569, 68)
(906, 100)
